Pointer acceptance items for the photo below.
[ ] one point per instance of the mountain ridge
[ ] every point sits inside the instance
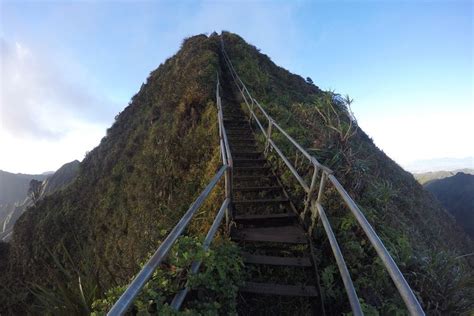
(427, 177)
(52, 183)
(456, 194)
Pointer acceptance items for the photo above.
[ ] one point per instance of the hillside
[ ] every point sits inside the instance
(456, 193)
(130, 190)
(53, 182)
(163, 148)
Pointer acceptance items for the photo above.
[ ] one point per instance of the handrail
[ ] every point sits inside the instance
(179, 298)
(126, 299)
(312, 203)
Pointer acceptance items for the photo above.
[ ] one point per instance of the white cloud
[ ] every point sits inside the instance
(418, 135)
(38, 99)
(47, 116)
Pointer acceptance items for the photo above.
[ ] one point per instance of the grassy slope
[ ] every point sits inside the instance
(414, 227)
(131, 189)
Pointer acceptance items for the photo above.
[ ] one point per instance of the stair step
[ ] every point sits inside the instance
(251, 168)
(280, 234)
(233, 118)
(258, 188)
(262, 201)
(265, 218)
(252, 146)
(240, 126)
(233, 134)
(254, 177)
(233, 139)
(249, 152)
(239, 142)
(277, 261)
(279, 289)
(249, 161)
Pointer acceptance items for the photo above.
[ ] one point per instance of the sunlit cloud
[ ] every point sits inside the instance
(47, 117)
(38, 100)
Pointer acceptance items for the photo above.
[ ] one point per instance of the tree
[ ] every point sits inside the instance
(309, 80)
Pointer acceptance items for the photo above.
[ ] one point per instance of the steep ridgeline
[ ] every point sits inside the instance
(57, 181)
(423, 239)
(456, 193)
(13, 192)
(129, 192)
(13, 187)
(162, 150)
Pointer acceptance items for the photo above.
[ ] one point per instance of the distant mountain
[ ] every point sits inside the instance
(10, 212)
(427, 177)
(14, 186)
(439, 164)
(456, 193)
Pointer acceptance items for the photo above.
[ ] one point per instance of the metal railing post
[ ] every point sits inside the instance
(269, 136)
(309, 196)
(314, 215)
(228, 195)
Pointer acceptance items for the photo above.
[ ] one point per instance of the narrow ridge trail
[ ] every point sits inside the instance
(279, 266)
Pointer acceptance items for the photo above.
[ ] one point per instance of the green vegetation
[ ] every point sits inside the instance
(130, 190)
(213, 290)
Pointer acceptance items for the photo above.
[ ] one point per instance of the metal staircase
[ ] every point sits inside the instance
(266, 225)
(276, 246)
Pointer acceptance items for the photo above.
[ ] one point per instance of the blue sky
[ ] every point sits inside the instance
(68, 67)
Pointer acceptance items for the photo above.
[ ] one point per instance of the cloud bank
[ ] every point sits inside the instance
(40, 101)
(47, 116)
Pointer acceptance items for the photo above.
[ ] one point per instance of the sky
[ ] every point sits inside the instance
(68, 67)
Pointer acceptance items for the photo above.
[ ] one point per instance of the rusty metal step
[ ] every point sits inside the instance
(280, 234)
(254, 177)
(267, 218)
(279, 289)
(252, 168)
(253, 152)
(232, 134)
(239, 155)
(248, 146)
(241, 140)
(263, 201)
(247, 161)
(277, 261)
(258, 188)
(233, 118)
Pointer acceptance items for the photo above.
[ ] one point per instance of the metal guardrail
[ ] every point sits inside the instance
(126, 299)
(313, 201)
